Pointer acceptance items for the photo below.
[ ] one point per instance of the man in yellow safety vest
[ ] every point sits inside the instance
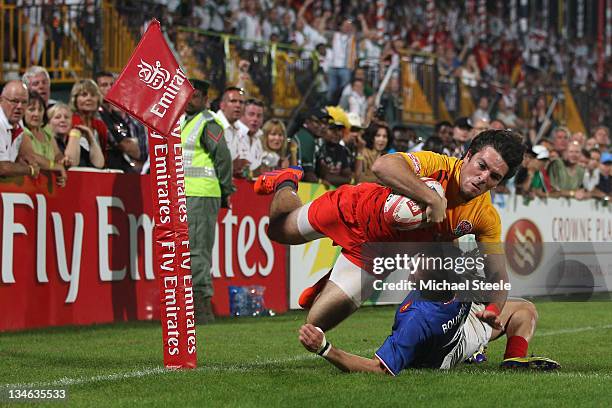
(208, 181)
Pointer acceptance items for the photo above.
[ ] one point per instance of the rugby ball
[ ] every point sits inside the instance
(406, 214)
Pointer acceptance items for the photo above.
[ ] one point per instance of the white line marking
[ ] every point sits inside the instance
(574, 330)
(245, 367)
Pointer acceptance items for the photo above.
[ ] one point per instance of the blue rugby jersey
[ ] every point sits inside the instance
(424, 333)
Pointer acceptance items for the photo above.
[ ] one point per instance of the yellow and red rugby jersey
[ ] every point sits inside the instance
(478, 216)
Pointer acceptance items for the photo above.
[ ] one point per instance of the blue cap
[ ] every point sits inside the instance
(606, 158)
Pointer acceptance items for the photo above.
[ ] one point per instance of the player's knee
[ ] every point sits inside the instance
(529, 310)
(277, 230)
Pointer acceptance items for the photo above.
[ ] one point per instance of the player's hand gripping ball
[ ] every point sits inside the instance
(406, 214)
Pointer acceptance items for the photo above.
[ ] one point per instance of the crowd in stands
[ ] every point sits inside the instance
(338, 140)
(354, 47)
(39, 133)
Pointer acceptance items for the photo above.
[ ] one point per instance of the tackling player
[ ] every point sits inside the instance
(353, 216)
(429, 334)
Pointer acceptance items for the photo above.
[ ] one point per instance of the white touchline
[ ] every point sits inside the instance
(245, 367)
(574, 330)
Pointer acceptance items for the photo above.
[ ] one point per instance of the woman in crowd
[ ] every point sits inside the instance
(470, 73)
(539, 124)
(85, 100)
(377, 143)
(47, 154)
(279, 152)
(77, 143)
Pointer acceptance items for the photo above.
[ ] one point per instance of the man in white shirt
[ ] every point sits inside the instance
(248, 144)
(16, 154)
(343, 54)
(248, 25)
(232, 104)
(37, 79)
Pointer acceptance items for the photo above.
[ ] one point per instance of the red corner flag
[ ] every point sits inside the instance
(152, 87)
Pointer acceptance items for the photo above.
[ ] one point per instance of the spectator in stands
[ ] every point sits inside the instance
(370, 51)
(579, 138)
(561, 140)
(363, 89)
(498, 124)
(591, 143)
(566, 175)
(332, 166)
(352, 140)
(539, 125)
(343, 54)
(77, 143)
(231, 106)
(482, 112)
(47, 154)
(532, 179)
(507, 115)
(16, 153)
(248, 143)
(404, 138)
(248, 24)
(85, 100)
(480, 126)
(444, 130)
(448, 62)
(309, 138)
(602, 137)
(434, 144)
(462, 131)
(37, 79)
(279, 152)
(377, 143)
(305, 35)
(591, 173)
(584, 157)
(604, 188)
(469, 73)
(357, 102)
(124, 147)
(548, 144)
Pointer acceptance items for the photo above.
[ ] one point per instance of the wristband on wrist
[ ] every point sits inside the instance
(51, 164)
(325, 346)
(492, 307)
(325, 350)
(31, 170)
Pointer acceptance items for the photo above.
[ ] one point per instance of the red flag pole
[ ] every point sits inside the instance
(153, 88)
(171, 246)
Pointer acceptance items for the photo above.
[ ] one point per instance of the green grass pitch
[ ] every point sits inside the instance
(259, 362)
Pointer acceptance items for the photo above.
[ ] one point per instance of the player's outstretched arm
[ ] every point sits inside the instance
(313, 340)
(495, 272)
(393, 171)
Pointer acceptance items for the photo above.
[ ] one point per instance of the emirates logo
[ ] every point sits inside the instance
(154, 76)
(523, 247)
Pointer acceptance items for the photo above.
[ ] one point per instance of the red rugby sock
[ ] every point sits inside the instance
(516, 347)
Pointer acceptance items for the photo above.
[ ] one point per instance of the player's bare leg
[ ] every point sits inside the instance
(284, 212)
(519, 319)
(285, 206)
(330, 307)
